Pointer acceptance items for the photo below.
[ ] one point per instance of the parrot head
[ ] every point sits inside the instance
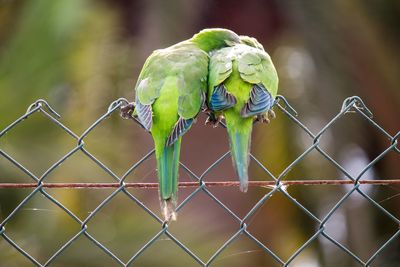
(215, 38)
(251, 41)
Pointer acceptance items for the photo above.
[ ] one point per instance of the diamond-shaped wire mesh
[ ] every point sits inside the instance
(201, 187)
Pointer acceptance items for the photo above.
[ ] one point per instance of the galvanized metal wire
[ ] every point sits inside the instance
(278, 184)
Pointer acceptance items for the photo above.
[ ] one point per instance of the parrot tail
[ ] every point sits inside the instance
(168, 168)
(168, 209)
(239, 140)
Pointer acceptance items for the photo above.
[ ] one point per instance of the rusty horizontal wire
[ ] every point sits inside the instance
(195, 184)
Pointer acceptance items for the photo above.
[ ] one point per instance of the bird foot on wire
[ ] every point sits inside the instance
(265, 117)
(214, 120)
(127, 111)
(271, 114)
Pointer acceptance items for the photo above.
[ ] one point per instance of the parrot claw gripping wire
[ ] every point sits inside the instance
(271, 114)
(214, 121)
(127, 111)
(265, 117)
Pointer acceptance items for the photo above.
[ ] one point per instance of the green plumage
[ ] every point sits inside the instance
(184, 62)
(173, 85)
(239, 68)
(253, 64)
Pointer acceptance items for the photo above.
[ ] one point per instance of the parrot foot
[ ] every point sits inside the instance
(214, 121)
(271, 114)
(126, 111)
(265, 117)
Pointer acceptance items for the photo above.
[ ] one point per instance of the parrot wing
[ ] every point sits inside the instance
(181, 127)
(220, 70)
(145, 114)
(255, 67)
(192, 66)
(152, 77)
(221, 99)
(192, 82)
(260, 101)
(220, 67)
(189, 65)
(148, 87)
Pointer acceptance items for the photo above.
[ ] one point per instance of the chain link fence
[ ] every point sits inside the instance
(277, 184)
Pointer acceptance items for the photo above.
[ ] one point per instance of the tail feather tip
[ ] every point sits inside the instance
(243, 187)
(168, 210)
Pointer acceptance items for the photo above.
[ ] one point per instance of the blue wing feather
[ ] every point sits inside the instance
(181, 127)
(145, 114)
(260, 101)
(221, 99)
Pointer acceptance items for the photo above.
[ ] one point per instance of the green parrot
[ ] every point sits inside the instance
(170, 92)
(242, 87)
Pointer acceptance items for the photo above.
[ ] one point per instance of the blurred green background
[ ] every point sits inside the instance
(80, 55)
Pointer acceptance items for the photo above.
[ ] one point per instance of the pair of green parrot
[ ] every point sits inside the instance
(229, 76)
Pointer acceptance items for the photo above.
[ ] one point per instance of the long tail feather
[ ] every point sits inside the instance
(168, 167)
(239, 140)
